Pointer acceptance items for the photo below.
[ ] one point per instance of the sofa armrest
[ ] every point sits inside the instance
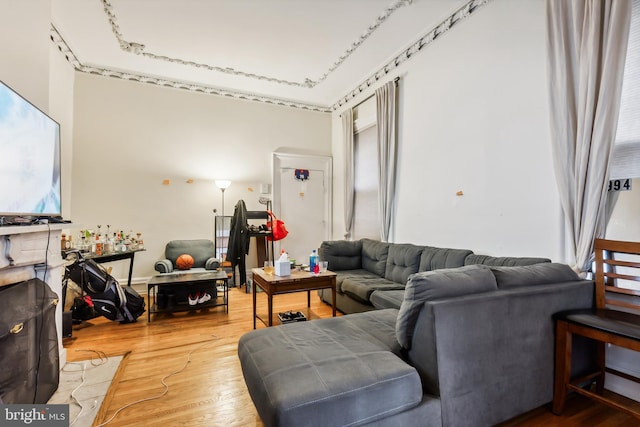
(212, 264)
(492, 350)
(164, 266)
(342, 254)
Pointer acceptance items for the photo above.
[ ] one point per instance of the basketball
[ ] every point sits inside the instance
(184, 262)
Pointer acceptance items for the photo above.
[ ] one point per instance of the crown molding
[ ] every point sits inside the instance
(458, 16)
(461, 14)
(64, 49)
(139, 49)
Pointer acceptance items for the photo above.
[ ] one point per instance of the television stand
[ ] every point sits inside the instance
(55, 220)
(18, 220)
(31, 220)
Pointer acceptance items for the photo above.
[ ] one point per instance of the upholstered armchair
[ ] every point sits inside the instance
(202, 251)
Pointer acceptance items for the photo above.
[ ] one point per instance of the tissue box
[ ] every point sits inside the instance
(283, 268)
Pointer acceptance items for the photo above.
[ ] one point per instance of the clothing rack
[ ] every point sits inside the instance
(269, 254)
(240, 236)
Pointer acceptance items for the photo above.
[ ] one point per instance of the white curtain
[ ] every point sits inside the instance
(587, 43)
(386, 107)
(349, 171)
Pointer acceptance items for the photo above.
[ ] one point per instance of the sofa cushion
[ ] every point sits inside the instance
(402, 261)
(374, 256)
(361, 274)
(361, 289)
(437, 258)
(431, 285)
(502, 261)
(342, 254)
(334, 371)
(387, 299)
(536, 274)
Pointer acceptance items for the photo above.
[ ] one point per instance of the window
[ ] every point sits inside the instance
(626, 158)
(623, 224)
(366, 223)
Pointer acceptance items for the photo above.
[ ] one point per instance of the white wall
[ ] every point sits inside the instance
(129, 137)
(24, 49)
(474, 118)
(61, 109)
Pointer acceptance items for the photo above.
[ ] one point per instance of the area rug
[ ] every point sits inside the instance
(84, 385)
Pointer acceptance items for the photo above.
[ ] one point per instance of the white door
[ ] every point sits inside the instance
(304, 206)
(302, 210)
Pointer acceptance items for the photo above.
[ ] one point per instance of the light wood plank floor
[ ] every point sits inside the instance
(209, 390)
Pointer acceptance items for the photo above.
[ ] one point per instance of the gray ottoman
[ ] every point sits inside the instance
(330, 372)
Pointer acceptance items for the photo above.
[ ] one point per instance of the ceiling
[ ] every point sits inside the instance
(312, 54)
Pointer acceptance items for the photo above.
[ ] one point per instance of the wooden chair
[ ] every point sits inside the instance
(615, 320)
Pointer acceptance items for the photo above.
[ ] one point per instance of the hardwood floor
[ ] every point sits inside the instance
(208, 388)
(579, 412)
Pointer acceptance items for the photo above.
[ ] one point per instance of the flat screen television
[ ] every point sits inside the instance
(29, 159)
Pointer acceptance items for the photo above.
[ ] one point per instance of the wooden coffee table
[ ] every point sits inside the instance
(296, 282)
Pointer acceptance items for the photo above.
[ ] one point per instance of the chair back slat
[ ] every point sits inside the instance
(612, 273)
(610, 278)
(616, 290)
(618, 303)
(622, 263)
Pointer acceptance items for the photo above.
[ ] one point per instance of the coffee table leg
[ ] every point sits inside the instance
(308, 299)
(270, 303)
(254, 303)
(149, 302)
(333, 297)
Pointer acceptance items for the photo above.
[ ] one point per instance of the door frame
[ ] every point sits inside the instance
(281, 160)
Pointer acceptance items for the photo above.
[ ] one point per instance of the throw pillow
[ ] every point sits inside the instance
(438, 284)
(537, 274)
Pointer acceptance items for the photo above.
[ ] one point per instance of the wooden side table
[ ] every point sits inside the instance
(296, 282)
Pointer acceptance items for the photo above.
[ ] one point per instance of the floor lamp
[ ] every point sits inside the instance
(222, 184)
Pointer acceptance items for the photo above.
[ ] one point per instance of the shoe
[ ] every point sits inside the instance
(193, 299)
(204, 298)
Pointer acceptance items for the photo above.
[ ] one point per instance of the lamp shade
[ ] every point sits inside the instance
(223, 184)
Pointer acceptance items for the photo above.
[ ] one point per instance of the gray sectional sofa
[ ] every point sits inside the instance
(372, 274)
(468, 345)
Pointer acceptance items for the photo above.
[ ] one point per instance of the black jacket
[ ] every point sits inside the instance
(238, 235)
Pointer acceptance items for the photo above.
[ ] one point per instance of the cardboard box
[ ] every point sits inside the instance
(283, 268)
